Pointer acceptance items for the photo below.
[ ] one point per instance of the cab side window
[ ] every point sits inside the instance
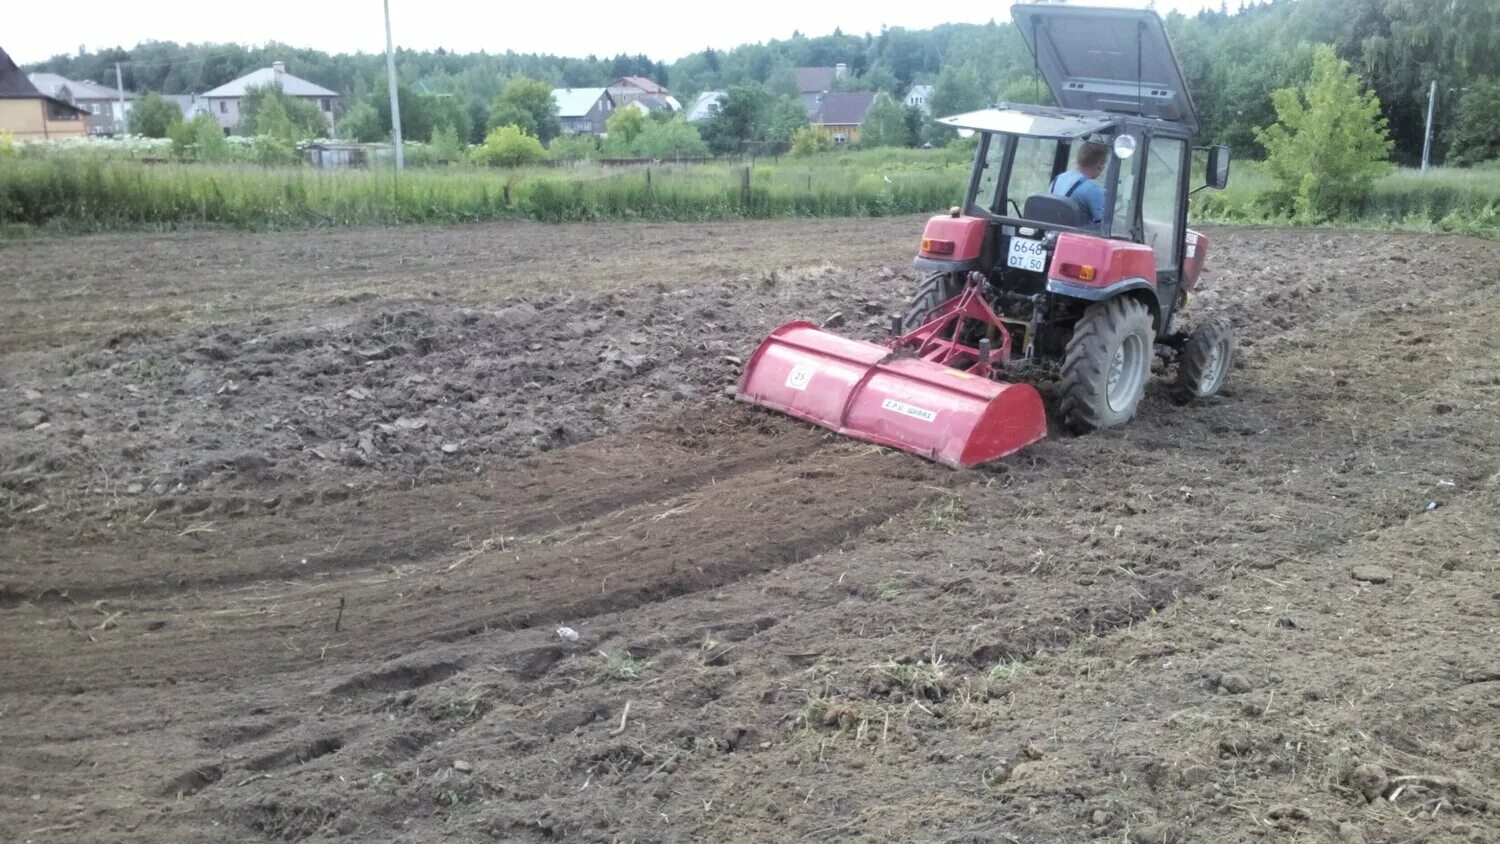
(1161, 203)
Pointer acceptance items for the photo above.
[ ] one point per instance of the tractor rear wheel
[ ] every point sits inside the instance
(1205, 360)
(1107, 364)
(933, 291)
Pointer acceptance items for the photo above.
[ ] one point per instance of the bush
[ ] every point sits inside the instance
(673, 139)
(1329, 143)
(362, 123)
(574, 148)
(508, 146)
(809, 141)
(446, 145)
(269, 150)
(200, 139)
(153, 116)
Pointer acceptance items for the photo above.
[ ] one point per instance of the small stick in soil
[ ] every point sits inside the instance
(624, 717)
(339, 619)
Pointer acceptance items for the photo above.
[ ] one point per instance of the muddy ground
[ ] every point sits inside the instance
(289, 524)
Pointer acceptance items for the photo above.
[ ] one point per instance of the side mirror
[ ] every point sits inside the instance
(1217, 175)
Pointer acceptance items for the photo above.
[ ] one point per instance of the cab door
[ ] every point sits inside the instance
(1163, 208)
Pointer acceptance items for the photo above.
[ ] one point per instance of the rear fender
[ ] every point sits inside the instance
(951, 244)
(1095, 269)
(1195, 259)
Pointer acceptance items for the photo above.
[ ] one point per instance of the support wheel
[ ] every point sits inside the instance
(1107, 364)
(933, 291)
(1205, 360)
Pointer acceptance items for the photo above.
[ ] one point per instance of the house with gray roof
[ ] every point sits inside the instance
(840, 114)
(224, 101)
(705, 106)
(583, 111)
(814, 82)
(107, 108)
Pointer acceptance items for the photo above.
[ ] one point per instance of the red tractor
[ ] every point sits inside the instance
(1025, 273)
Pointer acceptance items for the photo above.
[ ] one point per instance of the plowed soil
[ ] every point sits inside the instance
(453, 534)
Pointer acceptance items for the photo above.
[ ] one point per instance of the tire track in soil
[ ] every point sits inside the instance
(514, 499)
(723, 528)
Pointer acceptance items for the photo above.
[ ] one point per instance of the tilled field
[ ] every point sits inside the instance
(289, 524)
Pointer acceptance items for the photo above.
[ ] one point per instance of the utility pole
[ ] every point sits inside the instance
(1427, 134)
(390, 72)
(120, 89)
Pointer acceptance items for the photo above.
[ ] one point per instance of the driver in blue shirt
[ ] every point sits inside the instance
(1078, 184)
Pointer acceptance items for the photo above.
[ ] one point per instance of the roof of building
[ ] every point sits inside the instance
(57, 85)
(640, 82)
(700, 109)
(13, 83)
(576, 102)
(654, 103)
(294, 85)
(815, 80)
(844, 108)
(919, 91)
(15, 86)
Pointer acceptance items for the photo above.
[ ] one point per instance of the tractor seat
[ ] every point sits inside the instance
(1057, 210)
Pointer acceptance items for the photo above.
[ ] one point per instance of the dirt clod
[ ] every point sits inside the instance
(1369, 780)
(1371, 573)
(1235, 683)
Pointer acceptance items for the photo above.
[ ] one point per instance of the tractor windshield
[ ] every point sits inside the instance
(1015, 167)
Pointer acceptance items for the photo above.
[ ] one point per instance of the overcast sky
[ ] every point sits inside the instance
(662, 29)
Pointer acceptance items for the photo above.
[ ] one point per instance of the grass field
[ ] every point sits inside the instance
(80, 192)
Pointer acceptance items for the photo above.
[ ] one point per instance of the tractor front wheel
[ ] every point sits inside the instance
(1107, 364)
(1205, 361)
(933, 291)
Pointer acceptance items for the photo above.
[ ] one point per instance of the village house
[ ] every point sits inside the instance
(224, 101)
(814, 82)
(108, 110)
(583, 111)
(28, 114)
(840, 114)
(920, 96)
(628, 89)
(705, 106)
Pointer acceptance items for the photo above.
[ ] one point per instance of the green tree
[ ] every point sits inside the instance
(1475, 135)
(957, 90)
(528, 104)
(447, 144)
(672, 139)
(783, 118)
(1329, 143)
(740, 119)
(886, 125)
(268, 110)
(508, 146)
(625, 125)
(153, 116)
(810, 141)
(199, 139)
(362, 123)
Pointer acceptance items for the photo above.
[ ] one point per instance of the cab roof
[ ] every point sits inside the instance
(1098, 59)
(1033, 121)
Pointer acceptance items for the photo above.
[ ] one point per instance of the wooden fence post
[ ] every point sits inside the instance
(745, 188)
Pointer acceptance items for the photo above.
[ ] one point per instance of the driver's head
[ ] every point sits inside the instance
(1091, 159)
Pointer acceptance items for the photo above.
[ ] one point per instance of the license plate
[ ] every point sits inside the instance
(1026, 254)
